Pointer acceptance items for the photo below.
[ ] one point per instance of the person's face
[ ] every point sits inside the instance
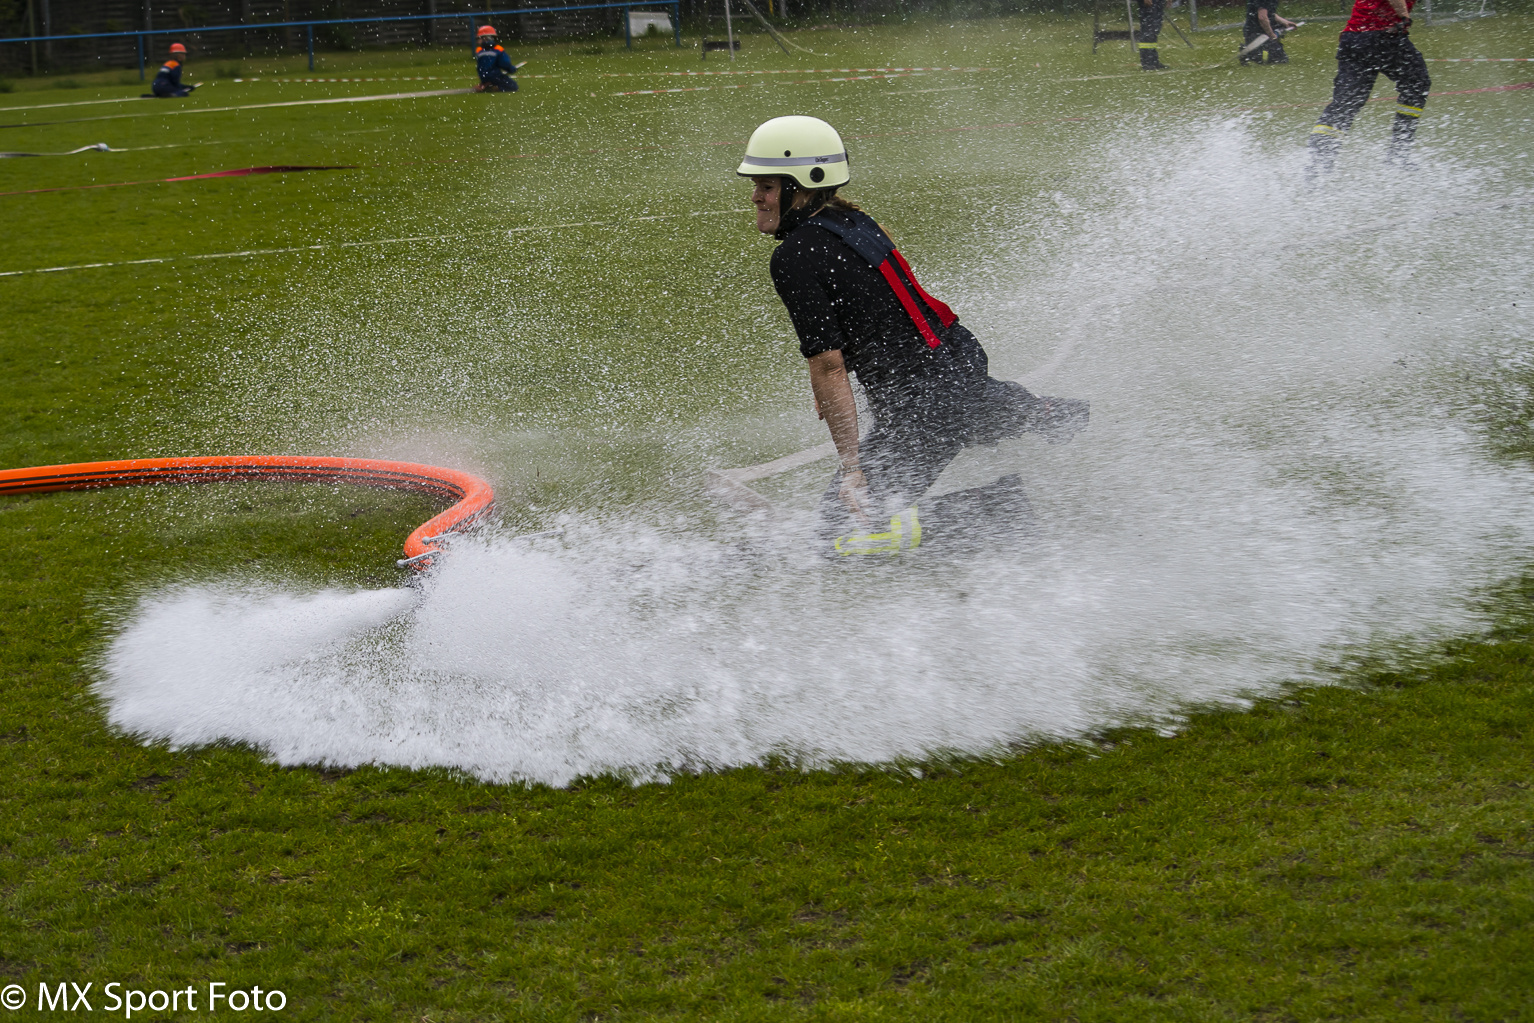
(767, 197)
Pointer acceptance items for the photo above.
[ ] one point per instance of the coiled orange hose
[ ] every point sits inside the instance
(473, 497)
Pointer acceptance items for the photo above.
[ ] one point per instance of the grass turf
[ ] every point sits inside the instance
(1357, 853)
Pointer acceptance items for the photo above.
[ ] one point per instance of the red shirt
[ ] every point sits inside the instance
(1374, 16)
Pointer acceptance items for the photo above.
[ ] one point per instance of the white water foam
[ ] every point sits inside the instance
(1287, 467)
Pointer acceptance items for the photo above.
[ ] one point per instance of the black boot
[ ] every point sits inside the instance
(1150, 60)
(1325, 142)
(1402, 133)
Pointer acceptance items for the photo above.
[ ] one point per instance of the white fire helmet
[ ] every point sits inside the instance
(806, 149)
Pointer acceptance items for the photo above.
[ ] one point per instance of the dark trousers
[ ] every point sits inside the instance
(1274, 48)
(1151, 16)
(905, 453)
(1361, 58)
(499, 81)
(168, 91)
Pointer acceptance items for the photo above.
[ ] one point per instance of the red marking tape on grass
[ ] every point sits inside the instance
(473, 497)
(243, 171)
(240, 173)
(1490, 88)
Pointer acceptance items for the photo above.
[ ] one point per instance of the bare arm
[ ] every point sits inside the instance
(834, 402)
(1399, 6)
(1267, 26)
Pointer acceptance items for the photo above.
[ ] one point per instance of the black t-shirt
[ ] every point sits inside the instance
(837, 301)
(1253, 26)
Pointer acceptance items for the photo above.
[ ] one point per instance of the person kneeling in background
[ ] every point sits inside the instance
(167, 83)
(493, 64)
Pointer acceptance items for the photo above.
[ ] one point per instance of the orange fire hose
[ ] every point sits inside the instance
(473, 497)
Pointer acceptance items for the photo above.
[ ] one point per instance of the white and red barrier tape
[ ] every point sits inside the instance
(802, 71)
(747, 85)
(418, 78)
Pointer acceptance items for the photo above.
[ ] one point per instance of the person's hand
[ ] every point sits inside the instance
(854, 494)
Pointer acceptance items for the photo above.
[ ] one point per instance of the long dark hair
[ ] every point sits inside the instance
(819, 199)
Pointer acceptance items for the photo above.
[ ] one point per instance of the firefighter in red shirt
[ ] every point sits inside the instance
(1373, 43)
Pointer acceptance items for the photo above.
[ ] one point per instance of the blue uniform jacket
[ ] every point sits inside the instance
(490, 59)
(169, 75)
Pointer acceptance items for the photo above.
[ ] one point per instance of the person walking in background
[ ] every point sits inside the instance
(1374, 42)
(493, 64)
(1152, 13)
(1263, 22)
(167, 83)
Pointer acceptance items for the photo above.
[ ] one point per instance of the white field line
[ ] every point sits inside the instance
(289, 81)
(1475, 60)
(140, 149)
(95, 147)
(264, 106)
(416, 78)
(366, 244)
(76, 103)
(1140, 74)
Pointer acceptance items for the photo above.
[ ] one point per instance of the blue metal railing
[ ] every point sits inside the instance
(308, 26)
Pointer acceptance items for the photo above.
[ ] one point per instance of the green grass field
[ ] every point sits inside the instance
(561, 290)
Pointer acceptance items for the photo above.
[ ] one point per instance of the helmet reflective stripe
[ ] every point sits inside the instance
(806, 149)
(794, 161)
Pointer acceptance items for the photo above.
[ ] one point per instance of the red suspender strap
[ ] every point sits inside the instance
(898, 286)
(945, 315)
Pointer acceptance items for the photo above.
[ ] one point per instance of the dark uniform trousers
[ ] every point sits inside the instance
(1151, 16)
(908, 448)
(500, 81)
(1361, 58)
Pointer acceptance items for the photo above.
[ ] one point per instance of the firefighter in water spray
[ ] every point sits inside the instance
(167, 82)
(1374, 42)
(858, 309)
(493, 64)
